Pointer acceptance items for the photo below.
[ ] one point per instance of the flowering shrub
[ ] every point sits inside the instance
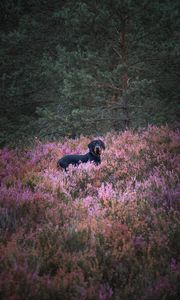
(95, 232)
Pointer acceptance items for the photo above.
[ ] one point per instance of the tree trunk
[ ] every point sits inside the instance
(125, 78)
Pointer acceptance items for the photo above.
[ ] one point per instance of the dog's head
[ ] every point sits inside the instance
(96, 147)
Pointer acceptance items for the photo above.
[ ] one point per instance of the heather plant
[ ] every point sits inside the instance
(94, 232)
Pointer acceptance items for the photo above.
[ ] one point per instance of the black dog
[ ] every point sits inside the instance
(95, 149)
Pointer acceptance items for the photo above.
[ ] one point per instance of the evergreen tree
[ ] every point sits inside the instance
(114, 52)
(88, 66)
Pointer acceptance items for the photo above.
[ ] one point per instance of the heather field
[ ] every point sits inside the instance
(95, 232)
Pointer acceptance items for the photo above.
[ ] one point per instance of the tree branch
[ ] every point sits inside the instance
(108, 86)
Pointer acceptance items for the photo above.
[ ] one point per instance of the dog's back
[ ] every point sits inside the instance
(72, 159)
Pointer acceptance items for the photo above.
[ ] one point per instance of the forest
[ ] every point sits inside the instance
(87, 67)
(73, 72)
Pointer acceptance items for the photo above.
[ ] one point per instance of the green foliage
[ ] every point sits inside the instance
(65, 65)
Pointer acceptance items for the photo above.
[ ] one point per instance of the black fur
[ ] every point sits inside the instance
(94, 155)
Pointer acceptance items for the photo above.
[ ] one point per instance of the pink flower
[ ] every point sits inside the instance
(106, 192)
(105, 292)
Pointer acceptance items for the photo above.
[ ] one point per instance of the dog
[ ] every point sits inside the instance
(94, 155)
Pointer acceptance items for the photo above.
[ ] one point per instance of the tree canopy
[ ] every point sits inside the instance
(87, 67)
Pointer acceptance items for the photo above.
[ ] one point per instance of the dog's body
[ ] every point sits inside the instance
(95, 148)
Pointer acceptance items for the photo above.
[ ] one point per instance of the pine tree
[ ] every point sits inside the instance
(88, 66)
(113, 51)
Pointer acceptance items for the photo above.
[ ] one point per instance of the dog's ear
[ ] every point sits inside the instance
(102, 145)
(91, 146)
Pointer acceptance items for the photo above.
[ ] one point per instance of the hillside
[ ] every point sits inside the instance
(95, 232)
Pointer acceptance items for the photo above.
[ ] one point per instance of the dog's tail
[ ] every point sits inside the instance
(60, 166)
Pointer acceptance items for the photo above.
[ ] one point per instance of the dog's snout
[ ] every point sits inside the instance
(98, 149)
